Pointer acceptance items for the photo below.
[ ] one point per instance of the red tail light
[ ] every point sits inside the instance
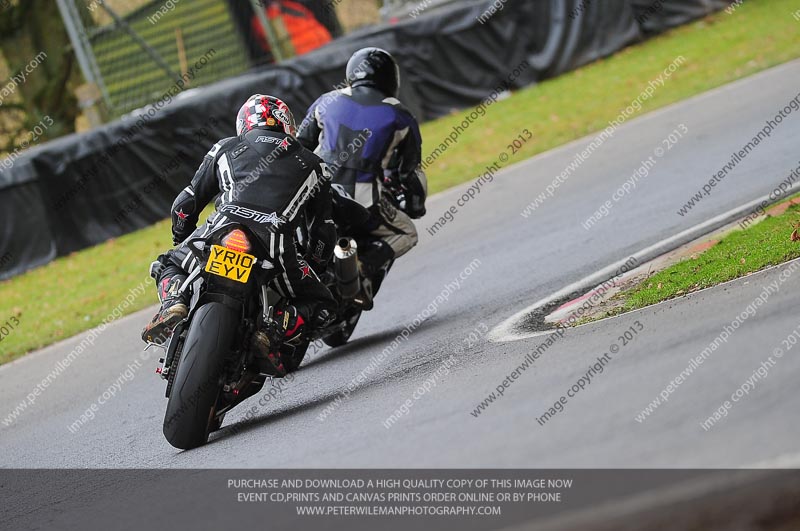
(236, 240)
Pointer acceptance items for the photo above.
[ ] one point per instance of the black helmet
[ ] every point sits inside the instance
(374, 67)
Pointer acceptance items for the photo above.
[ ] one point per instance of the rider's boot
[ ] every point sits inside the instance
(287, 327)
(291, 327)
(174, 309)
(291, 322)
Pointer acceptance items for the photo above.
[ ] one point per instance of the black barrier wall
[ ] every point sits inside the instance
(83, 189)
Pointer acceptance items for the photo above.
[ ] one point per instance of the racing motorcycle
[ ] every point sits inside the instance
(232, 340)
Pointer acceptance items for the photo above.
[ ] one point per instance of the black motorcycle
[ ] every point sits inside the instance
(231, 342)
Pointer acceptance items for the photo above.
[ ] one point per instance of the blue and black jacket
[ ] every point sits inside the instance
(365, 138)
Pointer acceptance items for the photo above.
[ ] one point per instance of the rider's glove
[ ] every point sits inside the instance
(407, 194)
(179, 238)
(393, 186)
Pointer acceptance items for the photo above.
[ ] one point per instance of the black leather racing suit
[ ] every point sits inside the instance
(263, 174)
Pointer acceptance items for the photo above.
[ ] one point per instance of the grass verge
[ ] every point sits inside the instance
(740, 253)
(78, 292)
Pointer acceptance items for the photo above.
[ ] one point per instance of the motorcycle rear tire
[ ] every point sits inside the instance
(192, 403)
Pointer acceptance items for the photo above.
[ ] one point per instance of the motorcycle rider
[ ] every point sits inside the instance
(264, 168)
(373, 146)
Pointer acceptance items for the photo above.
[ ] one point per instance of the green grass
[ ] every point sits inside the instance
(742, 252)
(77, 292)
(718, 49)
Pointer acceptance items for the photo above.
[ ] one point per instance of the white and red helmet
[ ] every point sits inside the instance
(266, 112)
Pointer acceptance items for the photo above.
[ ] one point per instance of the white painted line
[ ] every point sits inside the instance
(443, 195)
(509, 329)
(748, 278)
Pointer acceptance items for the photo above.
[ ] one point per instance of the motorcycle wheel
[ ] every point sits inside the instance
(337, 339)
(191, 407)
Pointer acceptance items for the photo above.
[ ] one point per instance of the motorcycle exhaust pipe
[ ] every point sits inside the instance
(346, 268)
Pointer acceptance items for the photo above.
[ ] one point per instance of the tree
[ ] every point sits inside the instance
(32, 31)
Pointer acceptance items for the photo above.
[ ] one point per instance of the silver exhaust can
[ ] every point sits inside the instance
(346, 267)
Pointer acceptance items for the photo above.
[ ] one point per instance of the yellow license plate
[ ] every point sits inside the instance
(230, 264)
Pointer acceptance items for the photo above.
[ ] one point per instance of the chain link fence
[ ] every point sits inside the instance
(140, 54)
(133, 51)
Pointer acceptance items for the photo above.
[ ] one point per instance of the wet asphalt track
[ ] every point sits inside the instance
(521, 260)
